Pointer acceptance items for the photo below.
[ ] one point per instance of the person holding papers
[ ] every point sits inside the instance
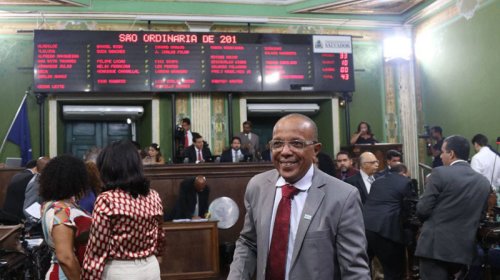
(192, 202)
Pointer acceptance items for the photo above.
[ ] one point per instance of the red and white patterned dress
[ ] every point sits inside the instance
(74, 217)
(123, 228)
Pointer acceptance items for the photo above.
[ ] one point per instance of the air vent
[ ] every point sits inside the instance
(99, 112)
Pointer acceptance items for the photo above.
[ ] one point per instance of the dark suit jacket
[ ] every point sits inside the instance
(186, 201)
(227, 156)
(14, 198)
(266, 155)
(382, 172)
(384, 206)
(358, 182)
(350, 172)
(451, 207)
(325, 163)
(179, 136)
(190, 153)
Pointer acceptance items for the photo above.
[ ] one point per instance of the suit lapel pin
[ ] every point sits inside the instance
(307, 216)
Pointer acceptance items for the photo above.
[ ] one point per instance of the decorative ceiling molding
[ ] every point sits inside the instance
(435, 7)
(334, 22)
(65, 3)
(364, 7)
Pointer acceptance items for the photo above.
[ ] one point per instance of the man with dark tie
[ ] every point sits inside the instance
(363, 180)
(184, 137)
(199, 151)
(235, 154)
(249, 140)
(300, 223)
(453, 203)
(344, 166)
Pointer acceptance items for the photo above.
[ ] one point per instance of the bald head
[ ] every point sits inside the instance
(368, 163)
(41, 163)
(200, 182)
(301, 122)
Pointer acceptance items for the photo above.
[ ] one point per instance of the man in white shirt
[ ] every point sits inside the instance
(249, 140)
(363, 180)
(300, 223)
(235, 154)
(486, 161)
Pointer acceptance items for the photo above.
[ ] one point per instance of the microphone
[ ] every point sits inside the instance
(498, 140)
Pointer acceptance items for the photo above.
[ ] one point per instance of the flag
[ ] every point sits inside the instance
(20, 133)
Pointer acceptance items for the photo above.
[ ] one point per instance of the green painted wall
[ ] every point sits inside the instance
(459, 75)
(16, 76)
(324, 122)
(369, 96)
(166, 127)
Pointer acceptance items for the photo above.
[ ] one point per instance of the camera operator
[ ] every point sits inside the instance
(384, 213)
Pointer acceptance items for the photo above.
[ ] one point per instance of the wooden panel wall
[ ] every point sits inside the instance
(224, 179)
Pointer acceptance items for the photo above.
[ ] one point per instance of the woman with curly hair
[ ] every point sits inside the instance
(126, 231)
(65, 225)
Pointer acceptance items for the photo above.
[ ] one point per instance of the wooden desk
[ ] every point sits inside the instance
(191, 251)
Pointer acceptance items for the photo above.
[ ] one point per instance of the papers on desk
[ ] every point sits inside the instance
(34, 210)
(189, 220)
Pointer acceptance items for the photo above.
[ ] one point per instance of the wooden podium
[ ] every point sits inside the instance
(191, 251)
(379, 150)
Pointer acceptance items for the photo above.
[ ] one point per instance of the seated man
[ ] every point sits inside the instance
(192, 202)
(235, 154)
(199, 151)
(14, 198)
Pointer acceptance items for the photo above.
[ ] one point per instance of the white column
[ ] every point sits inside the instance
(52, 126)
(335, 125)
(408, 115)
(201, 115)
(155, 119)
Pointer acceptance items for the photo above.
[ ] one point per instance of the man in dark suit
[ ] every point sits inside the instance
(184, 138)
(392, 158)
(364, 179)
(384, 213)
(300, 223)
(325, 163)
(450, 209)
(14, 198)
(235, 154)
(199, 151)
(249, 140)
(344, 166)
(192, 202)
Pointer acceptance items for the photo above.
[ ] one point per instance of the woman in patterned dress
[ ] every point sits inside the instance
(65, 225)
(126, 231)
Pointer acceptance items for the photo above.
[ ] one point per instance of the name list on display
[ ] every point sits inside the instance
(111, 61)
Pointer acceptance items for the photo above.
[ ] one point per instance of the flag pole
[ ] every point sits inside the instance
(12, 123)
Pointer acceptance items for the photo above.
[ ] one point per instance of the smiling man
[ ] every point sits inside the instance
(300, 223)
